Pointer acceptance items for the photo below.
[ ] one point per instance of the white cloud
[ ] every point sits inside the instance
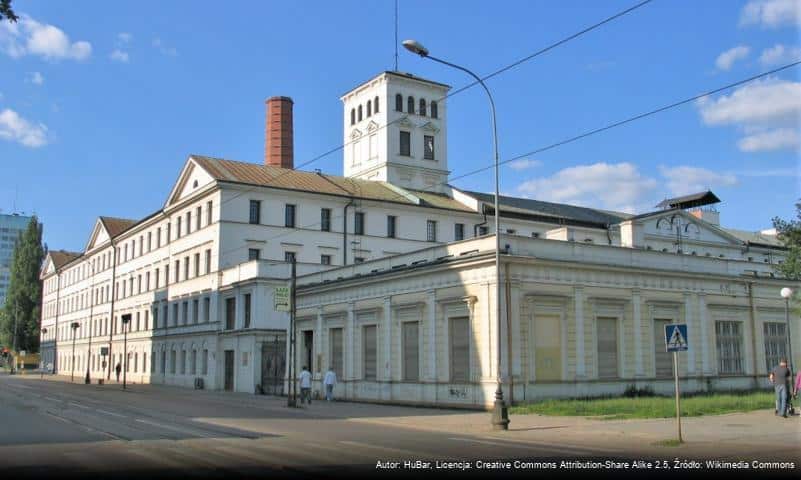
(601, 185)
(778, 54)
(763, 111)
(726, 59)
(169, 51)
(683, 180)
(16, 129)
(524, 163)
(30, 37)
(36, 78)
(777, 139)
(771, 172)
(771, 13)
(119, 56)
(124, 37)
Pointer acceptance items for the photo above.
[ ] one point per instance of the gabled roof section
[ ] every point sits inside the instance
(56, 259)
(714, 229)
(105, 229)
(320, 183)
(553, 212)
(690, 201)
(191, 180)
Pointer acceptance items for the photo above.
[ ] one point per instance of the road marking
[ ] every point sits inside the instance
(110, 413)
(79, 405)
(177, 429)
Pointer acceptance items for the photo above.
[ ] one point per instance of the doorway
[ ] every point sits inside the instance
(229, 370)
(273, 366)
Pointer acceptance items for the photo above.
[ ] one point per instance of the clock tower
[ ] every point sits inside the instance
(396, 131)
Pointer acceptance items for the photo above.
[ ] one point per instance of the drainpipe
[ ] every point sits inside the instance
(345, 233)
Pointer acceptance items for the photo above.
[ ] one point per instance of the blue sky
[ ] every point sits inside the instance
(102, 102)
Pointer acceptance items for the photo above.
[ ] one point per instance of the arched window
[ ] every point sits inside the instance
(359, 115)
(352, 116)
(422, 107)
(399, 103)
(410, 104)
(375, 105)
(369, 108)
(434, 110)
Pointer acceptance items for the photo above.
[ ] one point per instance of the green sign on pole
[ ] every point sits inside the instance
(281, 299)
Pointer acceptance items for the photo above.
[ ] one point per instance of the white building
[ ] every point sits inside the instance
(396, 278)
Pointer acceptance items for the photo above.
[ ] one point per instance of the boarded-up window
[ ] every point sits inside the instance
(775, 343)
(729, 343)
(411, 351)
(459, 349)
(548, 347)
(370, 352)
(663, 360)
(336, 361)
(607, 347)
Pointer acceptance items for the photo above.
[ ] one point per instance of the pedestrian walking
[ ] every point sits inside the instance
(330, 380)
(117, 370)
(305, 385)
(780, 378)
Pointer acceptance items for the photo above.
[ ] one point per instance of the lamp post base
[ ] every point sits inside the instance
(500, 412)
(87, 380)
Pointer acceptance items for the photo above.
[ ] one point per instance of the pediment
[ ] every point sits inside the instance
(356, 133)
(430, 127)
(98, 237)
(678, 222)
(48, 267)
(405, 122)
(372, 126)
(191, 180)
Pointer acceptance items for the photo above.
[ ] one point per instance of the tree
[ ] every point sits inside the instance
(7, 12)
(789, 233)
(19, 324)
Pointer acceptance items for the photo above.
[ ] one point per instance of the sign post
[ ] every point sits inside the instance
(676, 341)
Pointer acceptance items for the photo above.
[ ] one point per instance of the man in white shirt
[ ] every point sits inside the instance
(305, 385)
(329, 381)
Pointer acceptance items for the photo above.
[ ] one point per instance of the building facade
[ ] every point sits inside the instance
(11, 227)
(396, 278)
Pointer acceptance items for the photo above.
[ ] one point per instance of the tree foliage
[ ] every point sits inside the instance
(789, 232)
(19, 324)
(6, 12)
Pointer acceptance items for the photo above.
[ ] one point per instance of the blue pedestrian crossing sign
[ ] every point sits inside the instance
(676, 337)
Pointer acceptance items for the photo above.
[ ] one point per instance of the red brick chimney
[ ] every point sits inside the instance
(278, 145)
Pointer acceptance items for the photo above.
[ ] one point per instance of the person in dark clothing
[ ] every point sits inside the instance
(117, 370)
(780, 378)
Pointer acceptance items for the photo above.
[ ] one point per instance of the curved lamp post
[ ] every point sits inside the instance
(500, 413)
(786, 293)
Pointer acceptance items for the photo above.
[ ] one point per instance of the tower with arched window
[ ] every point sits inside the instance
(402, 138)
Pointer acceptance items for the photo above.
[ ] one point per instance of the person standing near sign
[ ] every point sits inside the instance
(780, 378)
(305, 385)
(329, 381)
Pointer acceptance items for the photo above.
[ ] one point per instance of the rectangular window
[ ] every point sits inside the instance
(206, 309)
(197, 221)
(459, 349)
(391, 223)
(205, 362)
(428, 147)
(253, 253)
(147, 319)
(411, 351)
(358, 223)
(458, 231)
(163, 362)
(230, 313)
(169, 233)
(174, 314)
(289, 257)
(193, 363)
(289, 216)
(358, 259)
(195, 311)
(178, 227)
(155, 318)
(247, 310)
(208, 213)
(158, 284)
(336, 351)
(188, 222)
(172, 362)
(729, 342)
(158, 237)
(607, 347)
(255, 212)
(183, 362)
(775, 343)
(325, 219)
(431, 230)
(166, 319)
(663, 360)
(184, 313)
(197, 264)
(325, 259)
(149, 241)
(147, 281)
(370, 357)
(483, 230)
(405, 144)
(208, 260)
(186, 268)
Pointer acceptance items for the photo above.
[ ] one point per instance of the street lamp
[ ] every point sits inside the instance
(786, 293)
(41, 360)
(74, 326)
(500, 413)
(126, 319)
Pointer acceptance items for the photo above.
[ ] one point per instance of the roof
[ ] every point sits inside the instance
(62, 257)
(557, 211)
(115, 226)
(689, 201)
(288, 179)
(755, 237)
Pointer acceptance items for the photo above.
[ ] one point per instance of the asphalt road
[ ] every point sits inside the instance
(52, 427)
